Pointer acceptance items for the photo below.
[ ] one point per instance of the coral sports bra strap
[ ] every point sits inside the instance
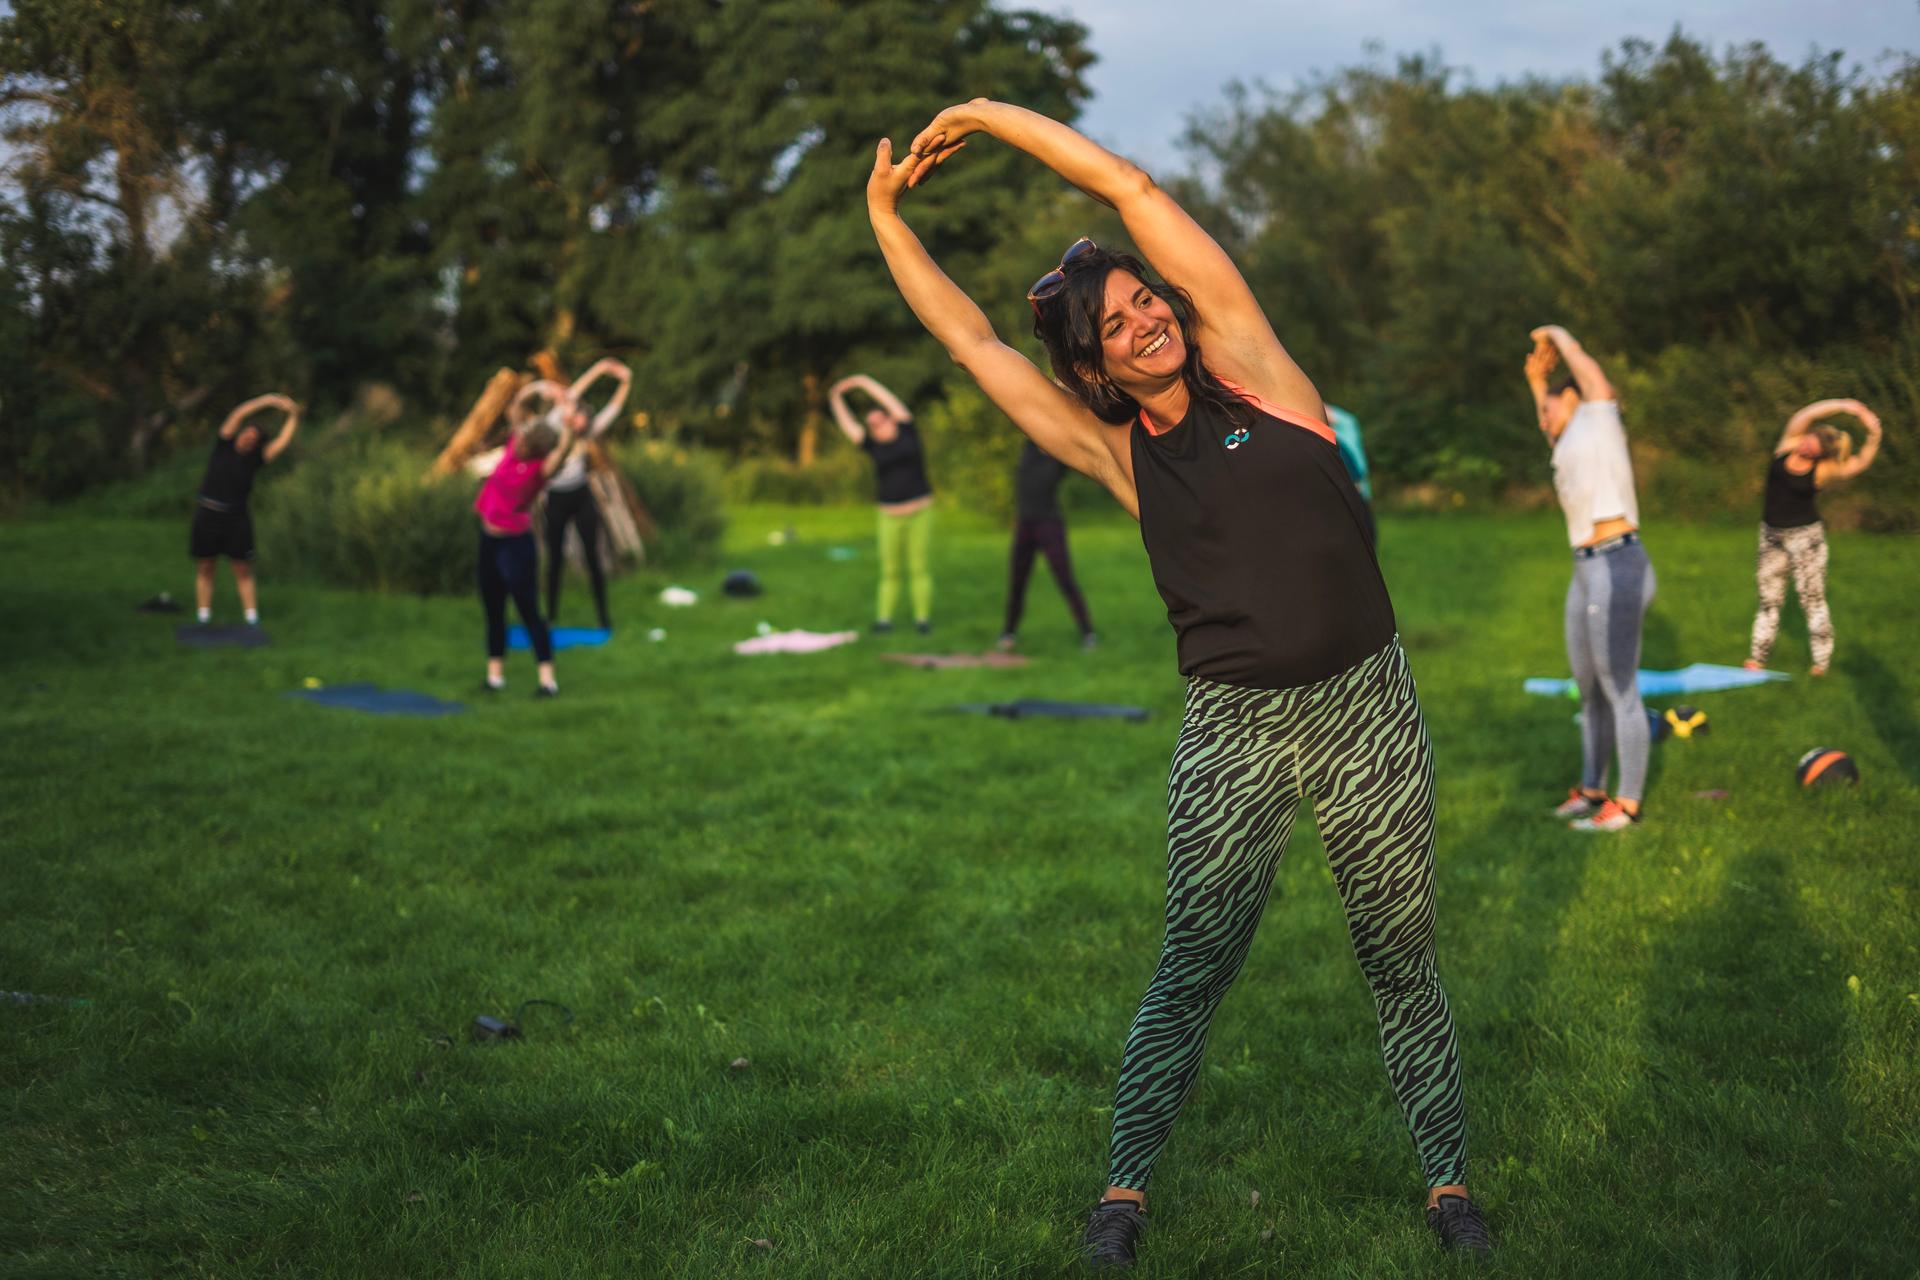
(1301, 420)
(1304, 421)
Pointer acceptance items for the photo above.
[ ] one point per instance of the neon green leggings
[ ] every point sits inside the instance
(911, 535)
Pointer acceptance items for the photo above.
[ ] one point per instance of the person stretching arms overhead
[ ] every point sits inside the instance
(1175, 394)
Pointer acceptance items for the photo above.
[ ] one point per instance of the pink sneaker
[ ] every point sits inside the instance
(1610, 818)
(1576, 805)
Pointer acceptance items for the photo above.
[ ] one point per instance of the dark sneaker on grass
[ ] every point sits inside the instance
(1457, 1221)
(547, 691)
(1113, 1234)
(923, 627)
(881, 627)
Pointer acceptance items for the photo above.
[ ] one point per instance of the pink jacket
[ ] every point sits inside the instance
(509, 491)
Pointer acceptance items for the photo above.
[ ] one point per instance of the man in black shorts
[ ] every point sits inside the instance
(221, 523)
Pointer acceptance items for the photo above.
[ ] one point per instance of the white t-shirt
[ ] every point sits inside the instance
(573, 472)
(1592, 472)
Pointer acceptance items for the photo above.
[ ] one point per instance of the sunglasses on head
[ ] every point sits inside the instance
(1055, 280)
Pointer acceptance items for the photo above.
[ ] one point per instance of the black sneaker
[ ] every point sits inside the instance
(923, 627)
(547, 691)
(1457, 1221)
(881, 627)
(1113, 1234)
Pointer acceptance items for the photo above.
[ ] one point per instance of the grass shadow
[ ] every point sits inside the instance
(1888, 707)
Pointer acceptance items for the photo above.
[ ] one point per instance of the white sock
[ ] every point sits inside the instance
(205, 615)
(253, 617)
(496, 682)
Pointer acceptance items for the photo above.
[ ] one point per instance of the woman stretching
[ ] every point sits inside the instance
(1178, 397)
(508, 563)
(222, 525)
(900, 488)
(1792, 538)
(1612, 582)
(1039, 527)
(570, 498)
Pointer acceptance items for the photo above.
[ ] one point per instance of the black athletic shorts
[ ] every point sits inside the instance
(221, 533)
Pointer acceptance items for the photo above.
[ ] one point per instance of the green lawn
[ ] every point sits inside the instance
(1691, 1050)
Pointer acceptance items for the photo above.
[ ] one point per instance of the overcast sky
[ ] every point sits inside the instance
(1160, 59)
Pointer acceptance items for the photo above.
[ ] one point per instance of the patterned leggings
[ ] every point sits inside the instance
(1357, 745)
(1803, 551)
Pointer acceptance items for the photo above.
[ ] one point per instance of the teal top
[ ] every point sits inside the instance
(1346, 437)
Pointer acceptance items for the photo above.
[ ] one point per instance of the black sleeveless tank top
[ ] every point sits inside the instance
(1260, 547)
(1789, 501)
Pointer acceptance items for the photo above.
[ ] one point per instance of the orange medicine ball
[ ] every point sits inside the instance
(1825, 764)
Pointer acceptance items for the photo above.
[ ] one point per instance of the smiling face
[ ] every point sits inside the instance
(247, 440)
(1810, 446)
(1141, 345)
(881, 426)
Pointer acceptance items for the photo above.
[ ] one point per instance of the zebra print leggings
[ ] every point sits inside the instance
(1357, 745)
(1803, 552)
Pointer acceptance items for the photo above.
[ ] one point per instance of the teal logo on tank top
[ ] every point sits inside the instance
(1237, 438)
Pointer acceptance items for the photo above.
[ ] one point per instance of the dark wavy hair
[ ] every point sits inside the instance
(1068, 326)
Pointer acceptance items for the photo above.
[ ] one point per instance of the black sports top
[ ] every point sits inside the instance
(1036, 484)
(1789, 501)
(1259, 545)
(229, 477)
(899, 467)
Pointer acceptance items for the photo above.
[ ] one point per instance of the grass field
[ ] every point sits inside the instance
(1693, 1049)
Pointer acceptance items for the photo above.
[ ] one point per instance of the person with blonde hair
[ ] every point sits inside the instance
(1809, 455)
(541, 441)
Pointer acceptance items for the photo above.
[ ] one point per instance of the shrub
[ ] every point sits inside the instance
(840, 474)
(682, 490)
(358, 515)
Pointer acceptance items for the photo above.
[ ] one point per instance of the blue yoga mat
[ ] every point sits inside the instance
(1701, 677)
(385, 702)
(563, 637)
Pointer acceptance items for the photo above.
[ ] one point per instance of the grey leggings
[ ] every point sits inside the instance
(1606, 602)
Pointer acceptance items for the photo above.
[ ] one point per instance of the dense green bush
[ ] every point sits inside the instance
(1704, 421)
(840, 474)
(682, 489)
(359, 515)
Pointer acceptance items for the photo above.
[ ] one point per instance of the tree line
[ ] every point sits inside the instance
(388, 199)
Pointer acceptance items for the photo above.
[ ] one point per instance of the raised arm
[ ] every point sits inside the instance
(1584, 368)
(1868, 451)
(278, 445)
(1050, 417)
(843, 415)
(235, 420)
(1802, 422)
(895, 407)
(607, 368)
(518, 415)
(569, 439)
(1238, 339)
(1538, 368)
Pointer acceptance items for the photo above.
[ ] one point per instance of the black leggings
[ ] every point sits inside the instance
(509, 567)
(1049, 537)
(578, 506)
